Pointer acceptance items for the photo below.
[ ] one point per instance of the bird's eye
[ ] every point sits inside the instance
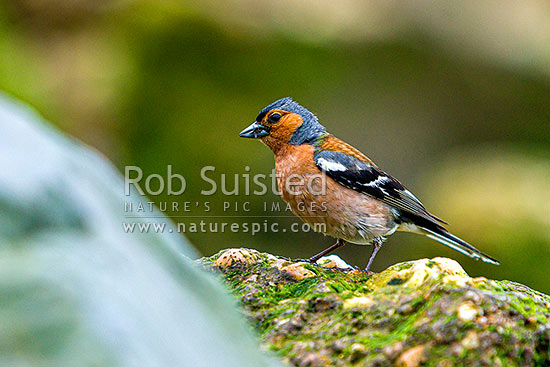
(274, 117)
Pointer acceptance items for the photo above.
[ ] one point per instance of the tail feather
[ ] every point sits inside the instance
(452, 241)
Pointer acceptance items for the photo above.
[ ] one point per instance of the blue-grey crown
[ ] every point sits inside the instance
(308, 132)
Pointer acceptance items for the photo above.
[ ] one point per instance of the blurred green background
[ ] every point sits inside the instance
(452, 98)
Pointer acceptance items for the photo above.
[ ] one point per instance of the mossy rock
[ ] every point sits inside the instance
(416, 313)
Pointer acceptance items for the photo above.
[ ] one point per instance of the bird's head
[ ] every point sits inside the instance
(284, 122)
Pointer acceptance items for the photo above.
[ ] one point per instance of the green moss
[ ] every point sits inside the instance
(277, 293)
(431, 264)
(396, 281)
(294, 318)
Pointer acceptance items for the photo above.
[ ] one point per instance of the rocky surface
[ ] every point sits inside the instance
(417, 313)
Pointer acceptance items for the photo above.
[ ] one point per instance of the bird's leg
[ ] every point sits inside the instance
(339, 243)
(377, 243)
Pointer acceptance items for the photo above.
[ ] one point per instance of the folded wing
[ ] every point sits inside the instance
(368, 179)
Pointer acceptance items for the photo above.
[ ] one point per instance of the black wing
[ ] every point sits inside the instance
(368, 179)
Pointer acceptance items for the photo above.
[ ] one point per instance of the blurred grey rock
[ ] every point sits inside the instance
(75, 289)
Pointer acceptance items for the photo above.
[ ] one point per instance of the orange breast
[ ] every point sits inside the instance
(316, 198)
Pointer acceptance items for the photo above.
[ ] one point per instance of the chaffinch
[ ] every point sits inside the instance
(360, 203)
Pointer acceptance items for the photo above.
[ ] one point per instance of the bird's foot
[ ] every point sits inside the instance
(309, 261)
(369, 272)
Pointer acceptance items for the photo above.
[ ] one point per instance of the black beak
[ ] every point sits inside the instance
(255, 131)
